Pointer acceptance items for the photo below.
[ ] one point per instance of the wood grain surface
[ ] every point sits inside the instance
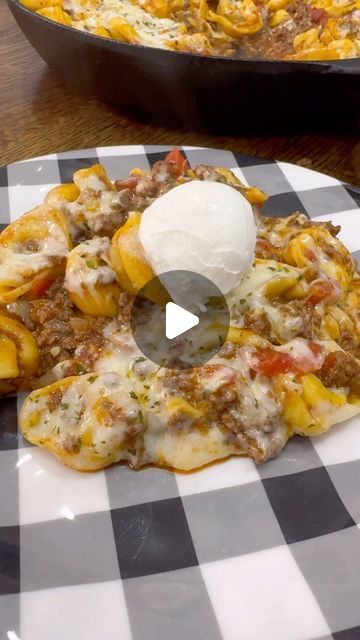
(39, 115)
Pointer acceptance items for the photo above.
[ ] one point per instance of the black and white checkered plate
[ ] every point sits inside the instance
(234, 551)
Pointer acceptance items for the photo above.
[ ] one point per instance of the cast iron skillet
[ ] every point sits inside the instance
(213, 93)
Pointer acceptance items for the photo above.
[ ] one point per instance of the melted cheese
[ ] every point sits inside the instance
(152, 31)
(17, 264)
(90, 426)
(83, 272)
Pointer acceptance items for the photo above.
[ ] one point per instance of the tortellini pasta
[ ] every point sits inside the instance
(19, 356)
(33, 250)
(270, 29)
(317, 247)
(90, 279)
(127, 256)
(313, 409)
(91, 204)
(88, 421)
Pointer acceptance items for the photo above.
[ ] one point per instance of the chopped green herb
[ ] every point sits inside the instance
(133, 395)
(272, 268)
(242, 300)
(64, 406)
(92, 379)
(58, 430)
(91, 264)
(146, 386)
(139, 359)
(141, 417)
(103, 441)
(80, 367)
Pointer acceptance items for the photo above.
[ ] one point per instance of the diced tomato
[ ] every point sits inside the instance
(178, 160)
(310, 255)
(128, 183)
(317, 14)
(40, 285)
(270, 362)
(264, 244)
(321, 289)
(315, 348)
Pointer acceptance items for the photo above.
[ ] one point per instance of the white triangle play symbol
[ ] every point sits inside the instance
(178, 320)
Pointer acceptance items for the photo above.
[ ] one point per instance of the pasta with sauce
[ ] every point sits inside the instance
(290, 364)
(274, 29)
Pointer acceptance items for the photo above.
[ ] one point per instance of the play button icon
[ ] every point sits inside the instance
(180, 336)
(178, 320)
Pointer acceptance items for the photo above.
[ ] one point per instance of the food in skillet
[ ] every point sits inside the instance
(274, 29)
(290, 364)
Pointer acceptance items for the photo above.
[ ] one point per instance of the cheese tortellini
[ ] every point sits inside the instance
(88, 421)
(32, 249)
(91, 204)
(19, 356)
(312, 408)
(90, 279)
(318, 246)
(270, 29)
(128, 258)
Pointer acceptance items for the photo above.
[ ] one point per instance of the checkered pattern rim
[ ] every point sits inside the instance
(231, 552)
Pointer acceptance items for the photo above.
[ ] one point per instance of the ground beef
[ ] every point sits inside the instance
(208, 173)
(163, 176)
(184, 381)
(58, 336)
(54, 400)
(49, 319)
(277, 42)
(256, 320)
(349, 342)
(71, 444)
(267, 251)
(340, 370)
(311, 319)
(228, 350)
(150, 185)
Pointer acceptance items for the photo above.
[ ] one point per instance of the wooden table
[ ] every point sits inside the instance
(39, 115)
